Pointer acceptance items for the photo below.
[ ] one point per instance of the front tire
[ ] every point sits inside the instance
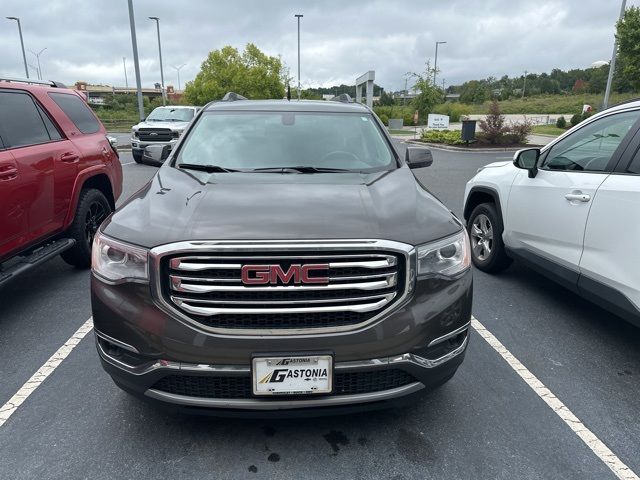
(485, 232)
(137, 156)
(93, 208)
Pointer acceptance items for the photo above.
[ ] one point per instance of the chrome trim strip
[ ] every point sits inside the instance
(177, 264)
(260, 404)
(118, 343)
(185, 265)
(428, 363)
(210, 311)
(239, 247)
(449, 335)
(373, 363)
(280, 257)
(365, 299)
(179, 286)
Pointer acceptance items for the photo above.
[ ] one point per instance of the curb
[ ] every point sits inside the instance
(440, 146)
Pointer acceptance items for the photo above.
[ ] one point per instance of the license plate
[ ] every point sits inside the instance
(296, 375)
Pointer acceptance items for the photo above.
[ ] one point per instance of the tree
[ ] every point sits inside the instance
(430, 95)
(251, 73)
(386, 100)
(474, 91)
(628, 36)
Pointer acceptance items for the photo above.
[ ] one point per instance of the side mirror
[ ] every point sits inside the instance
(417, 157)
(527, 159)
(156, 154)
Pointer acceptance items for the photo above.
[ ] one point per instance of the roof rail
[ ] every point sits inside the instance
(232, 97)
(343, 97)
(49, 83)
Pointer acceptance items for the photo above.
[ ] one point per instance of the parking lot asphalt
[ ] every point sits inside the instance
(485, 423)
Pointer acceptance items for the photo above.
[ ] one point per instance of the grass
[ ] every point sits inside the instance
(552, 104)
(548, 130)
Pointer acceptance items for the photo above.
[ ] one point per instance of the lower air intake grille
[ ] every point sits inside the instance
(345, 383)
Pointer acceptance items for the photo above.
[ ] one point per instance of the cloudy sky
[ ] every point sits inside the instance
(87, 39)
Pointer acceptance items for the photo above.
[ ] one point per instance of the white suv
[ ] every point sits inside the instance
(570, 210)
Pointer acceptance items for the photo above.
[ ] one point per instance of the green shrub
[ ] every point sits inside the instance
(448, 137)
(561, 122)
(454, 110)
(384, 118)
(396, 111)
(576, 119)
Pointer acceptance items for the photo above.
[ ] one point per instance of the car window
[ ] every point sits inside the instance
(77, 111)
(53, 131)
(634, 166)
(590, 148)
(251, 140)
(169, 114)
(20, 122)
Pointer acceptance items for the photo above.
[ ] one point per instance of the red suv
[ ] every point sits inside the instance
(59, 175)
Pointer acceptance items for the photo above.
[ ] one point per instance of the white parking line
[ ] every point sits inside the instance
(43, 372)
(587, 436)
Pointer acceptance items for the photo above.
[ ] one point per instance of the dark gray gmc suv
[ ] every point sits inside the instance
(284, 257)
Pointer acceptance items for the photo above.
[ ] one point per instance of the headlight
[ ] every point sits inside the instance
(118, 262)
(448, 256)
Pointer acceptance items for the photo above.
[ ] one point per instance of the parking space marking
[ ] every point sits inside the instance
(43, 372)
(622, 471)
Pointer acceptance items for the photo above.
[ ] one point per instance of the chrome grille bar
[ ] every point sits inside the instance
(180, 286)
(207, 311)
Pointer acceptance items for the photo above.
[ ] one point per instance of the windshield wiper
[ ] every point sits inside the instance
(300, 169)
(206, 168)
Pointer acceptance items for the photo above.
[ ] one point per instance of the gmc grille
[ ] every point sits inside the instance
(155, 134)
(208, 289)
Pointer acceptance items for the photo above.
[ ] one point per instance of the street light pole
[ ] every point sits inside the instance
(164, 100)
(298, 16)
(136, 64)
(435, 63)
(612, 64)
(37, 55)
(178, 71)
(524, 84)
(124, 67)
(24, 56)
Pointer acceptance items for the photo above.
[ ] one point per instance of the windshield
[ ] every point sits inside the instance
(164, 114)
(279, 140)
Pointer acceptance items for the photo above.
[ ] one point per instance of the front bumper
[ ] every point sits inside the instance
(138, 146)
(140, 344)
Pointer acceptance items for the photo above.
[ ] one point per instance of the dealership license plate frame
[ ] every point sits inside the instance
(274, 357)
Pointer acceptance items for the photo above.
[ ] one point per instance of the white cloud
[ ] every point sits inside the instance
(340, 40)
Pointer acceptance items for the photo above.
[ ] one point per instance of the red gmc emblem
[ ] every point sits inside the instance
(274, 274)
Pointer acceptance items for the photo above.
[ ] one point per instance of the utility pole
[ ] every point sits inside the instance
(164, 98)
(298, 16)
(178, 70)
(37, 55)
(612, 64)
(404, 97)
(524, 85)
(24, 57)
(136, 64)
(435, 64)
(124, 66)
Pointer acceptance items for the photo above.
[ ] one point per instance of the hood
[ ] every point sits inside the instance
(178, 205)
(171, 125)
(498, 164)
